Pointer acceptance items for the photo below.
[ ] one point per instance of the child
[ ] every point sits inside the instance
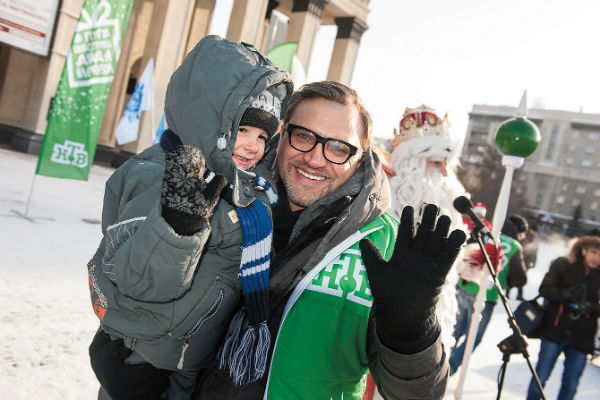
(166, 277)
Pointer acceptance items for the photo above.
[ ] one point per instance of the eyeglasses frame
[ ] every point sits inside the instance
(319, 139)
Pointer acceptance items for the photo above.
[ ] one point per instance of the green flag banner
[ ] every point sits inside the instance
(282, 55)
(70, 141)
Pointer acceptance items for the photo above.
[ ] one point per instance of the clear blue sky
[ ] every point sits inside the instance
(453, 54)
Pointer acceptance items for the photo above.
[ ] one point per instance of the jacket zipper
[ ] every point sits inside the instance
(208, 315)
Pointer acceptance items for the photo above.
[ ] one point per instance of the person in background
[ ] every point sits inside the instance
(512, 269)
(570, 320)
(530, 249)
(522, 227)
(480, 210)
(424, 160)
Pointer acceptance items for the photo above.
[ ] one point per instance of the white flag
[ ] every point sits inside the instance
(141, 100)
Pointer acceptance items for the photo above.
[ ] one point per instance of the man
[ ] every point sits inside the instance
(329, 323)
(424, 160)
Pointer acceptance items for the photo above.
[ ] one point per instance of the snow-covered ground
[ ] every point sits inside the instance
(46, 321)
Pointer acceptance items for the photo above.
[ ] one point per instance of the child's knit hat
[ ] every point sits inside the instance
(264, 113)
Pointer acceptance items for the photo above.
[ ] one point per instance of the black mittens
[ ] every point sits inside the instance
(187, 202)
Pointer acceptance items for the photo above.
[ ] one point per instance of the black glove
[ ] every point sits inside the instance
(187, 203)
(121, 380)
(405, 289)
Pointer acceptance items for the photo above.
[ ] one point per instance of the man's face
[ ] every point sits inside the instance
(308, 177)
(436, 166)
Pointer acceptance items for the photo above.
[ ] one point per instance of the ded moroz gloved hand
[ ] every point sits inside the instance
(405, 288)
(187, 202)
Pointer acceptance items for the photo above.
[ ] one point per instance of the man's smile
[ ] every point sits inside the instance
(309, 176)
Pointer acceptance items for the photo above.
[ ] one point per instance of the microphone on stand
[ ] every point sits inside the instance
(464, 206)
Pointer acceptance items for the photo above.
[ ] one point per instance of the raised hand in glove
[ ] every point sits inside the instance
(405, 288)
(187, 202)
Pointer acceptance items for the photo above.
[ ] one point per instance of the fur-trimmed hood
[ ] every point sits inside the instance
(580, 243)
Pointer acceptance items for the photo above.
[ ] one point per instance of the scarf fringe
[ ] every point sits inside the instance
(245, 349)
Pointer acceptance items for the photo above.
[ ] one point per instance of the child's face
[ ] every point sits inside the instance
(249, 146)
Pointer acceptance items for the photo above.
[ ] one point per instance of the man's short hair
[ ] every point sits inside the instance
(336, 92)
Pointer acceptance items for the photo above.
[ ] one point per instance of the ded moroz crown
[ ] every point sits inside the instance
(423, 134)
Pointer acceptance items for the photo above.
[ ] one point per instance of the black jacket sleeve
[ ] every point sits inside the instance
(517, 272)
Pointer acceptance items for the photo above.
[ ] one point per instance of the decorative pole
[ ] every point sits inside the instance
(516, 139)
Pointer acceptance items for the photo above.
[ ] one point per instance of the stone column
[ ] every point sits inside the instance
(266, 24)
(246, 21)
(201, 19)
(345, 50)
(303, 27)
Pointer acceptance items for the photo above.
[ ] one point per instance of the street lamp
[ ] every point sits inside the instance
(516, 139)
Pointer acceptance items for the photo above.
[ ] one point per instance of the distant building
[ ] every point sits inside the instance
(561, 174)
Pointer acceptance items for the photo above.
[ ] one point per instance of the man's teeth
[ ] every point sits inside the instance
(309, 176)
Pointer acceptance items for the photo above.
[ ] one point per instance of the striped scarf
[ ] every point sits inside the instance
(246, 345)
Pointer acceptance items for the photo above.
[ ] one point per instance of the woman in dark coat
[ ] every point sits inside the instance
(571, 318)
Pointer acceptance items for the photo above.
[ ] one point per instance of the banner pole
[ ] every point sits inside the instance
(29, 197)
(25, 215)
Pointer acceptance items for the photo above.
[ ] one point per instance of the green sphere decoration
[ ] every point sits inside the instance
(517, 137)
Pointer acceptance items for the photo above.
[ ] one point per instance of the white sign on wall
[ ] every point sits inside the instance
(28, 24)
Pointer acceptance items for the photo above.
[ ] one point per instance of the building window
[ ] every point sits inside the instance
(575, 134)
(541, 191)
(580, 189)
(597, 192)
(560, 199)
(572, 147)
(570, 160)
(480, 125)
(479, 136)
(594, 206)
(593, 136)
(565, 187)
(575, 202)
(589, 149)
(586, 163)
(552, 142)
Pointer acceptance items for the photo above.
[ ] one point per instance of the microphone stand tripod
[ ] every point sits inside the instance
(515, 343)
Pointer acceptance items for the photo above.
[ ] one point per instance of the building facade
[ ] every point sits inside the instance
(165, 30)
(562, 174)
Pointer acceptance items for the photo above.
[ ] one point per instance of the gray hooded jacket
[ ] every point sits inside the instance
(170, 297)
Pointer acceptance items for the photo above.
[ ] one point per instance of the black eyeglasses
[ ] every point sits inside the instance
(335, 151)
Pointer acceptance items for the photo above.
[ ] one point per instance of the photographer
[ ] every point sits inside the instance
(570, 321)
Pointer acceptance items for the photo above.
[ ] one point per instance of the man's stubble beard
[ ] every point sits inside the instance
(298, 196)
